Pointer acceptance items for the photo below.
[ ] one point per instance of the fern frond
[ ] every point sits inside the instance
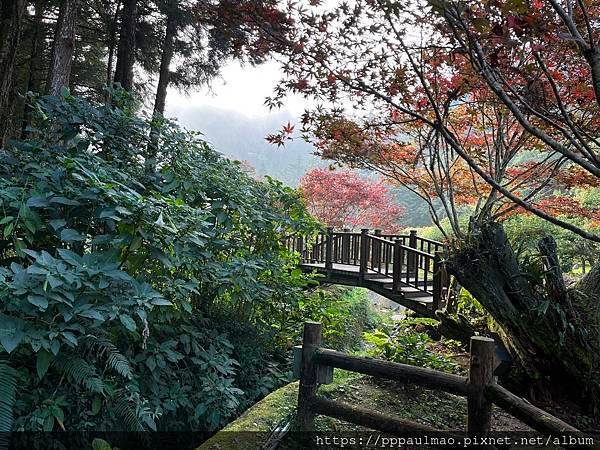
(81, 373)
(115, 360)
(127, 411)
(8, 393)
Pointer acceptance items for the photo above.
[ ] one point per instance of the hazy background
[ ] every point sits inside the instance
(233, 118)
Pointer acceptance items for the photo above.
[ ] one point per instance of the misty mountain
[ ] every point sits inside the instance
(242, 137)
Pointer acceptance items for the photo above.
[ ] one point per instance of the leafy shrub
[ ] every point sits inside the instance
(120, 239)
(524, 232)
(345, 314)
(402, 344)
(468, 305)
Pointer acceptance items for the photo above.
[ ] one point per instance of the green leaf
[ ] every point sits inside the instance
(123, 211)
(48, 423)
(92, 314)
(70, 257)
(96, 406)
(57, 223)
(9, 229)
(10, 340)
(151, 363)
(38, 300)
(70, 337)
(55, 347)
(161, 302)
(8, 397)
(42, 363)
(37, 202)
(128, 322)
(70, 235)
(64, 201)
(54, 282)
(100, 444)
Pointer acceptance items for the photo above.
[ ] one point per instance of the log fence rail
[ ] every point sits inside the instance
(480, 388)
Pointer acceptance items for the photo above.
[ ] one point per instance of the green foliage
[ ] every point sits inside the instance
(124, 256)
(468, 305)
(401, 343)
(8, 386)
(524, 231)
(345, 314)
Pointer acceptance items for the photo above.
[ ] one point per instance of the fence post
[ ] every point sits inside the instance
(438, 281)
(364, 252)
(397, 273)
(481, 374)
(411, 262)
(308, 376)
(329, 249)
(346, 246)
(300, 246)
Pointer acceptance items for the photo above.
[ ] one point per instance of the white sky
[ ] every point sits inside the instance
(242, 89)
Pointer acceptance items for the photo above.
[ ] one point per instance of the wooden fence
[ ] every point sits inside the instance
(480, 389)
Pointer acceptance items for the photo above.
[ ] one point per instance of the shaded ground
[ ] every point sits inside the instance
(434, 408)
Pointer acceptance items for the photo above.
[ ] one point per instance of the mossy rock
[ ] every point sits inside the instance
(253, 428)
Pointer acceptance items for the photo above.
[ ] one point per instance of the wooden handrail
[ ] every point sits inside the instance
(380, 239)
(417, 251)
(431, 241)
(434, 379)
(527, 413)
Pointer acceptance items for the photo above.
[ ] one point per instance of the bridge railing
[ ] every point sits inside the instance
(406, 259)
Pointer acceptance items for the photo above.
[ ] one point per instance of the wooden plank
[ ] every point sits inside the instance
(533, 416)
(378, 421)
(393, 371)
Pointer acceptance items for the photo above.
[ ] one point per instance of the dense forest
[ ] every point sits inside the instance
(147, 281)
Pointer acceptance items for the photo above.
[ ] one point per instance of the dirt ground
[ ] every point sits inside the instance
(434, 408)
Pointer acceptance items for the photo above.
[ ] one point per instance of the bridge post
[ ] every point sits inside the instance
(377, 251)
(300, 246)
(345, 246)
(364, 253)
(397, 270)
(438, 280)
(411, 262)
(329, 249)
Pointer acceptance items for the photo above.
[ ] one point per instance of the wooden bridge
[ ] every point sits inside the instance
(407, 269)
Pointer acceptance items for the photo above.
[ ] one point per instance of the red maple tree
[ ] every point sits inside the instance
(344, 199)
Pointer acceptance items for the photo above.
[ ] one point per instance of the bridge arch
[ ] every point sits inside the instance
(405, 268)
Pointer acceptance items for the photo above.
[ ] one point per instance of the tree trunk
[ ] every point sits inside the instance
(126, 48)
(11, 23)
(34, 62)
(553, 343)
(63, 48)
(111, 44)
(165, 63)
